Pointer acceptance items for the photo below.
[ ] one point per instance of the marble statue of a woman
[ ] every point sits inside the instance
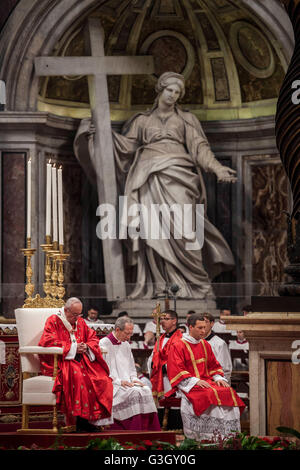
(160, 155)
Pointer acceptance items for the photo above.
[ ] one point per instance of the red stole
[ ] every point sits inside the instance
(198, 360)
(160, 357)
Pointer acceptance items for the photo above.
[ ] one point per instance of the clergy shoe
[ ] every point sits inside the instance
(82, 425)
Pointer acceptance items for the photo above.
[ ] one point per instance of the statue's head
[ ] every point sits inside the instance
(169, 78)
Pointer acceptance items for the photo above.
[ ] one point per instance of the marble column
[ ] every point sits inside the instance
(37, 136)
(287, 130)
(274, 366)
(13, 223)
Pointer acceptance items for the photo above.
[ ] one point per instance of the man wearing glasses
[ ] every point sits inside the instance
(158, 359)
(83, 388)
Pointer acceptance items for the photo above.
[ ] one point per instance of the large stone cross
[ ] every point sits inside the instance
(97, 66)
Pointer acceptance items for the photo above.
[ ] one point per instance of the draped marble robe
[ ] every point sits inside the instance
(133, 407)
(159, 161)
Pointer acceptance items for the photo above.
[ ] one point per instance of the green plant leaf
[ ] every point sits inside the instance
(104, 444)
(188, 444)
(290, 431)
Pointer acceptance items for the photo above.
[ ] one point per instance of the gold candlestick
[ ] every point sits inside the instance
(61, 258)
(54, 276)
(47, 247)
(29, 287)
(54, 273)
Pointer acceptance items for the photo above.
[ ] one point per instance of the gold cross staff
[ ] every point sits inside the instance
(157, 315)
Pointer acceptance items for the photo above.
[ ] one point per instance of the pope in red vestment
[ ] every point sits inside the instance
(83, 387)
(188, 360)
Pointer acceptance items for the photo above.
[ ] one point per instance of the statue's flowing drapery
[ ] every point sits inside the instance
(159, 161)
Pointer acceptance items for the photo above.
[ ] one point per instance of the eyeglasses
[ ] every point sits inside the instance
(167, 318)
(75, 314)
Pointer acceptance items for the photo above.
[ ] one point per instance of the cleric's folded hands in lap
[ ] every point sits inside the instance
(125, 383)
(137, 382)
(203, 384)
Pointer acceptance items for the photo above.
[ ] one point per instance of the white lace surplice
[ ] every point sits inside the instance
(127, 401)
(215, 421)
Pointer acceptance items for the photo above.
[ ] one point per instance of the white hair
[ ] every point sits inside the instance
(121, 322)
(71, 301)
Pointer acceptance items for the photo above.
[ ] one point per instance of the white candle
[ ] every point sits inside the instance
(29, 198)
(54, 203)
(60, 208)
(48, 199)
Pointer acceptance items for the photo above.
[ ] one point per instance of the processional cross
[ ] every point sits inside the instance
(97, 66)
(158, 315)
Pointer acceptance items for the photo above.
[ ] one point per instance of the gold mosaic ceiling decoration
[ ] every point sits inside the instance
(232, 64)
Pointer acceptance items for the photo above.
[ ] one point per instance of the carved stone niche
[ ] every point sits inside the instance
(274, 366)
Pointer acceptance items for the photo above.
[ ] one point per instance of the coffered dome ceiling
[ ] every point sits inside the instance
(232, 64)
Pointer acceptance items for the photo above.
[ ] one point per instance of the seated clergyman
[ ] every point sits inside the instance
(133, 404)
(83, 387)
(209, 406)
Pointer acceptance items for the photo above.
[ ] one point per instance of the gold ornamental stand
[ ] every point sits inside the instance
(54, 276)
(61, 257)
(157, 315)
(47, 247)
(29, 287)
(54, 273)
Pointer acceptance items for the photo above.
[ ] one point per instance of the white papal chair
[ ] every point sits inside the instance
(37, 389)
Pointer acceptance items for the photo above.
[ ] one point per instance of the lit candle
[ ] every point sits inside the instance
(54, 203)
(48, 199)
(29, 198)
(60, 208)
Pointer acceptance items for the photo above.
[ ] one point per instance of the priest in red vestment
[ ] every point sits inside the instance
(168, 410)
(209, 405)
(83, 387)
(158, 360)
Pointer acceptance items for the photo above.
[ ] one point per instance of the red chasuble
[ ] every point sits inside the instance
(198, 360)
(160, 357)
(83, 388)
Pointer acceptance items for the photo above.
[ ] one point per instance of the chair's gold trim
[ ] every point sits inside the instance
(25, 408)
(24, 416)
(37, 431)
(55, 366)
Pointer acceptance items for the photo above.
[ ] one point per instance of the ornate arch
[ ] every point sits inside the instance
(35, 27)
(32, 30)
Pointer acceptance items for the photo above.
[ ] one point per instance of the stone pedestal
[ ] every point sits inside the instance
(274, 368)
(140, 310)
